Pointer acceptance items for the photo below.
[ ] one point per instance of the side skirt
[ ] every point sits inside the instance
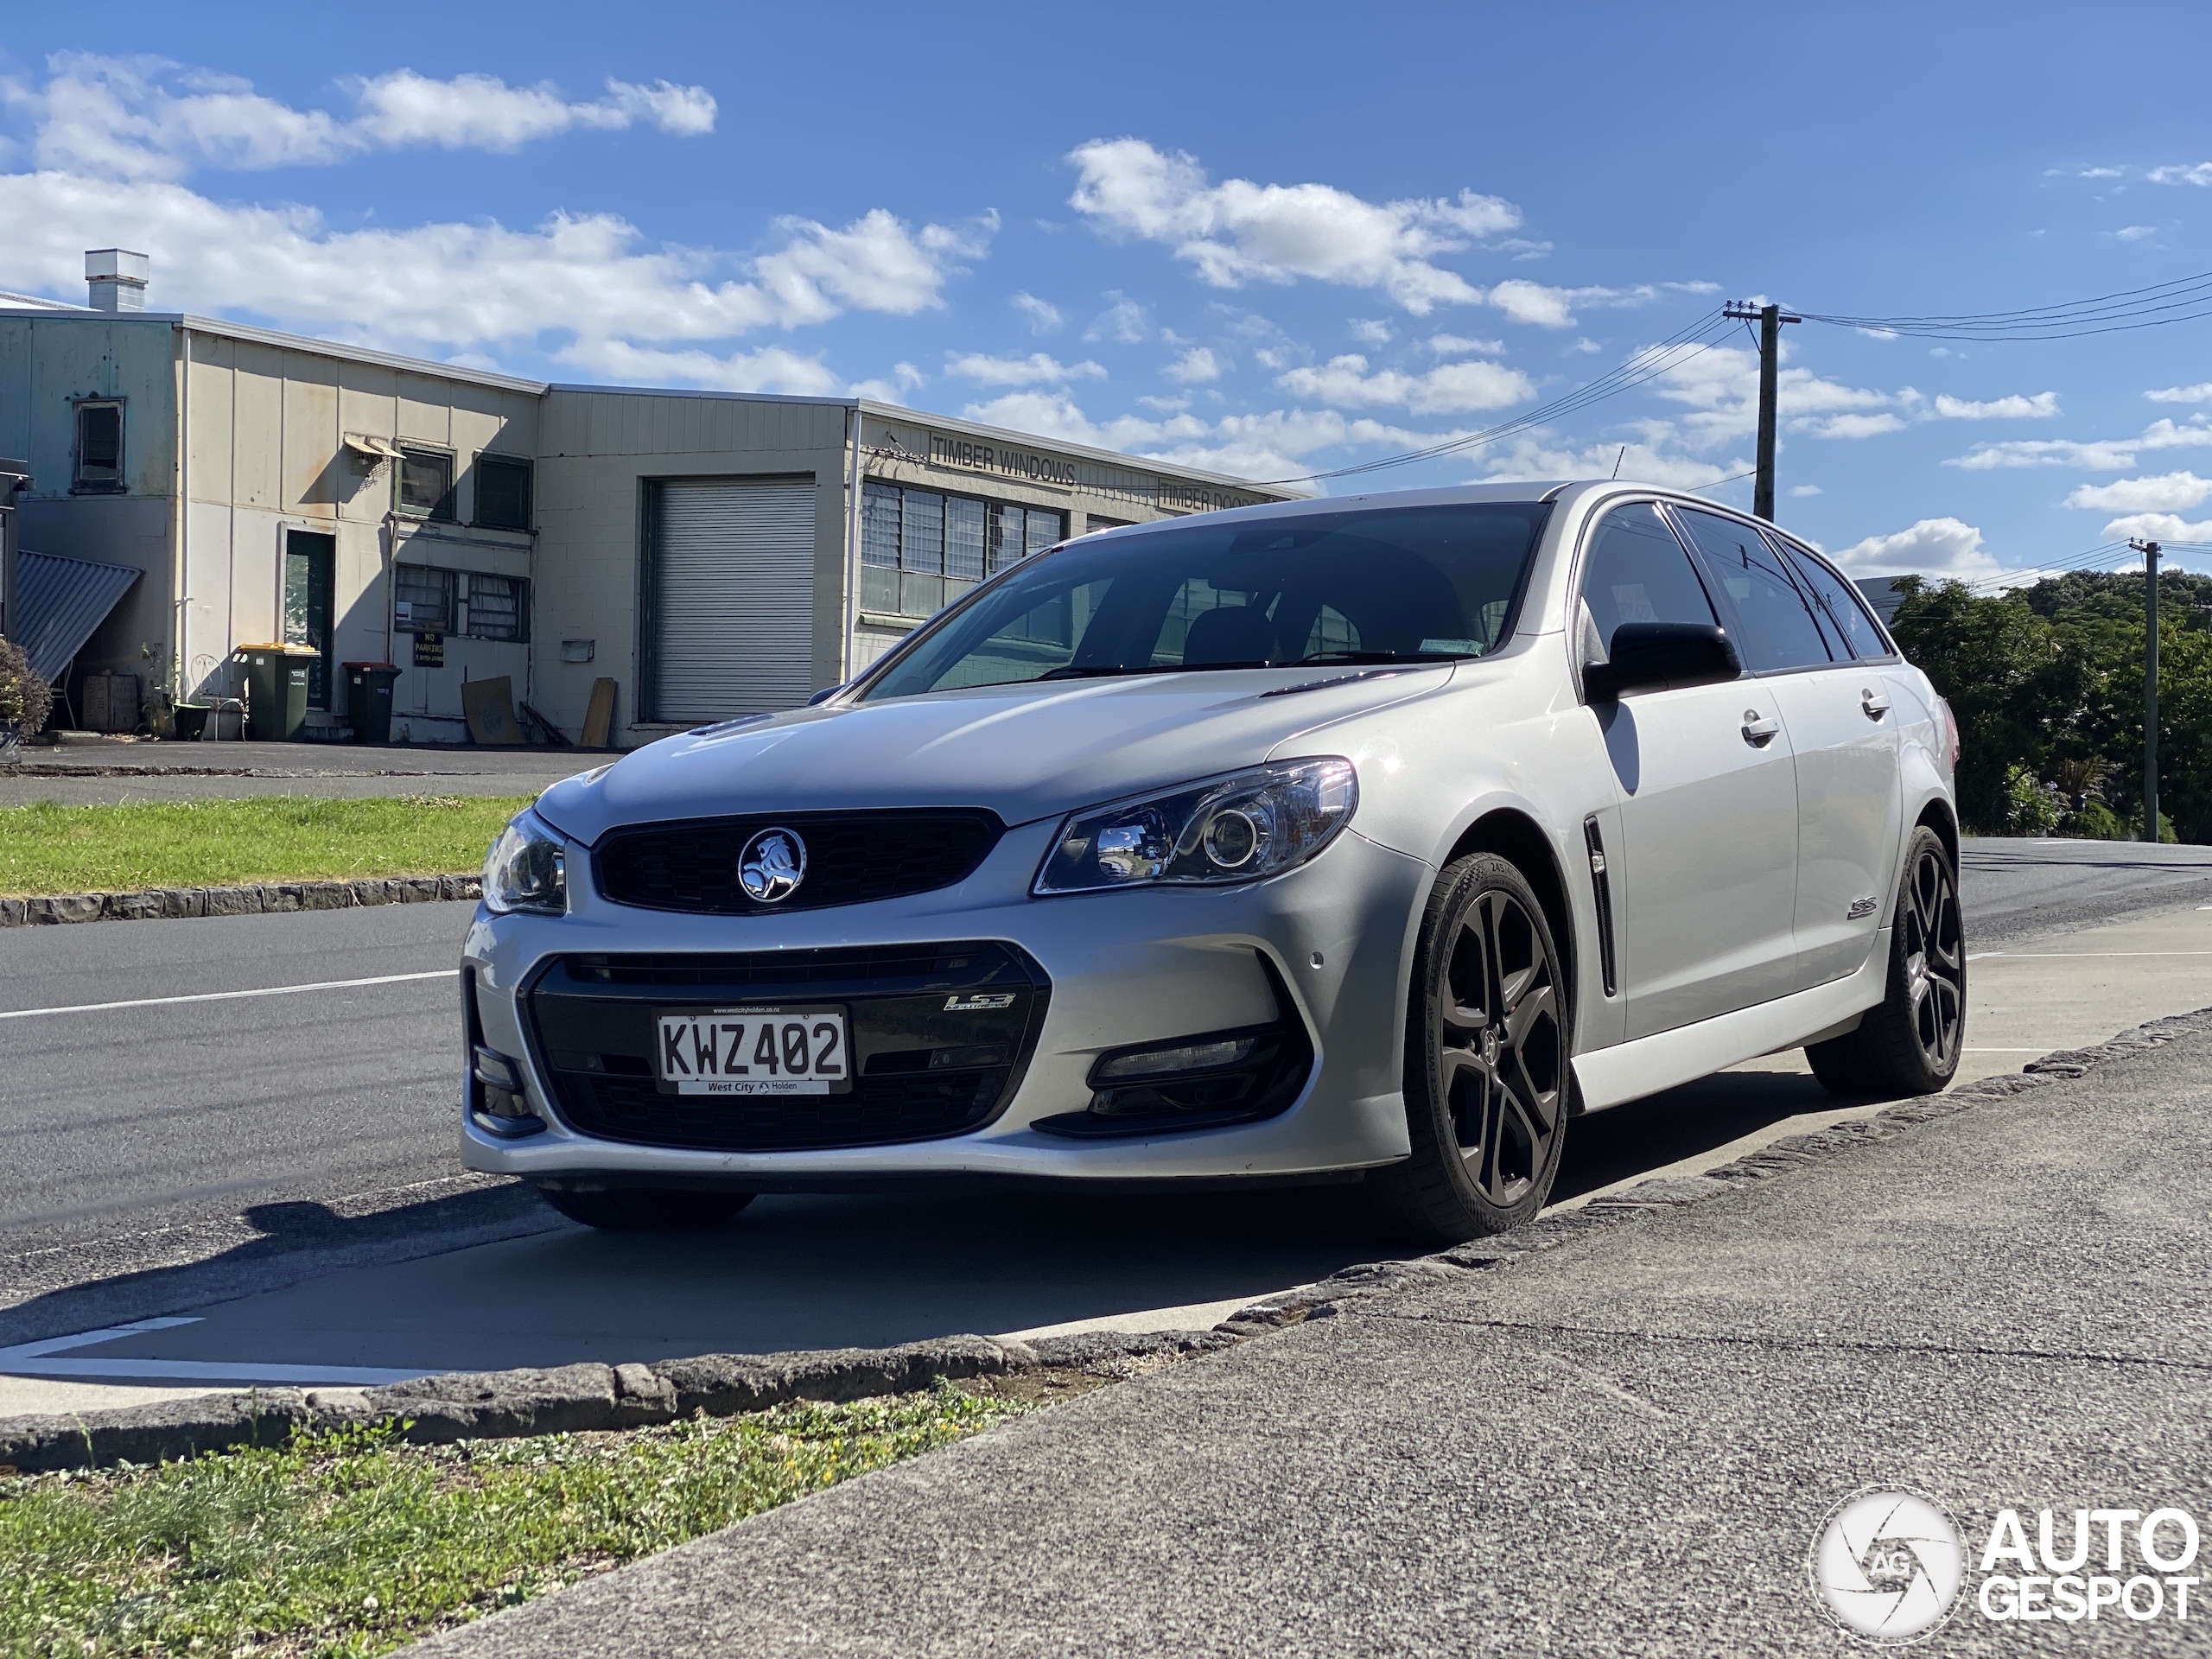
(1666, 1059)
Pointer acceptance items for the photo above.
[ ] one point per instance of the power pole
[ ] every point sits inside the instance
(1770, 319)
(2150, 552)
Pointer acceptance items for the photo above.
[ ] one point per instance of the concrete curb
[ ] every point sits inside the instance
(569, 1398)
(163, 904)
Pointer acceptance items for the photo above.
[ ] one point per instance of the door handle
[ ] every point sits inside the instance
(1758, 730)
(1872, 703)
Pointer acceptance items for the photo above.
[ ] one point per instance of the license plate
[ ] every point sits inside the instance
(753, 1051)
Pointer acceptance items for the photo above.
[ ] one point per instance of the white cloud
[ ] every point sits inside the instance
(450, 286)
(2039, 406)
(1447, 389)
(1943, 548)
(1238, 231)
(2097, 455)
(2199, 393)
(1273, 445)
(2167, 492)
(148, 118)
(1721, 386)
(1372, 331)
(905, 377)
(1034, 369)
(1195, 367)
(1800, 490)
(1123, 322)
(1460, 346)
(2133, 233)
(1647, 459)
(2158, 527)
(1853, 426)
(2198, 173)
(1044, 316)
(769, 369)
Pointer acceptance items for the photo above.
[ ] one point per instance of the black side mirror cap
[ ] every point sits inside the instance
(823, 694)
(1648, 656)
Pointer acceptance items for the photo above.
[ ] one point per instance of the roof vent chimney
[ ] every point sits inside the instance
(118, 278)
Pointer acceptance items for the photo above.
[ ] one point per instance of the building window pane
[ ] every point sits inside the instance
(422, 598)
(1045, 530)
(921, 532)
(1006, 541)
(879, 525)
(426, 484)
(964, 539)
(879, 589)
(100, 447)
(495, 610)
(502, 492)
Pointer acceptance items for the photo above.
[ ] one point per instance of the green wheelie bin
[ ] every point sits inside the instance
(276, 690)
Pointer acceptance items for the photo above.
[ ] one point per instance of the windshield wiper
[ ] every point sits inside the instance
(1384, 656)
(1110, 671)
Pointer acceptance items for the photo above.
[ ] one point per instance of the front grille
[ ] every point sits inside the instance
(852, 858)
(924, 1071)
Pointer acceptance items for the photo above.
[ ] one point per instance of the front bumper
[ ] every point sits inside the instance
(1123, 968)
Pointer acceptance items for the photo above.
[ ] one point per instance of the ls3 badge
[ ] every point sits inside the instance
(979, 1004)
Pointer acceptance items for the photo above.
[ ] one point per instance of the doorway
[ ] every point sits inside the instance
(310, 566)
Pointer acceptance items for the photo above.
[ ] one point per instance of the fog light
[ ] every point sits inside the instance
(1189, 1057)
(498, 1104)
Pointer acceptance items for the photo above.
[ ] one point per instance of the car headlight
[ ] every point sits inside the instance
(527, 869)
(1244, 827)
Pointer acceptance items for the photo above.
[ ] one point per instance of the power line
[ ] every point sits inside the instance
(1640, 368)
(2185, 299)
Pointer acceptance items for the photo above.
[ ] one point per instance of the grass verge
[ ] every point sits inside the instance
(47, 849)
(355, 1543)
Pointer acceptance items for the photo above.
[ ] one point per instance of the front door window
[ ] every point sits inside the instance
(309, 568)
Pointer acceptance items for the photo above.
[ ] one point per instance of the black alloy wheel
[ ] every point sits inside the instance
(1935, 958)
(1487, 1047)
(1910, 1043)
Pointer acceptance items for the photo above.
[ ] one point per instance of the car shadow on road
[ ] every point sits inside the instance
(489, 1279)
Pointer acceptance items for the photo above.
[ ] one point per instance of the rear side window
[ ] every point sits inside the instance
(1774, 619)
(1635, 571)
(1839, 605)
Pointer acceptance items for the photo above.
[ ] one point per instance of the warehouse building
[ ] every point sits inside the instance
(196, 485)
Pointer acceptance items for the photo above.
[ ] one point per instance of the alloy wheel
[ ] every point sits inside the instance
(1935, 958)
(1501, 1049)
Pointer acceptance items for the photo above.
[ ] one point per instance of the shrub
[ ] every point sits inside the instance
(24, 697)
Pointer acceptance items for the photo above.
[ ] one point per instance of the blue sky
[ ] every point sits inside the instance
(1272, 240)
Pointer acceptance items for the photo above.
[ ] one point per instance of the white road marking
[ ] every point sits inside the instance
(229, 996)
(86, 1338)
(34, 1359)
(244, 1374)
(2051, 955)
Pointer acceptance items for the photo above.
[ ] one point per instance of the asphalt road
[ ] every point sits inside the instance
(1627, 1444)
(110, 773)
(286, 1162)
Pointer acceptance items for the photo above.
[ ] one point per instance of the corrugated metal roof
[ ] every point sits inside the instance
(61, 602)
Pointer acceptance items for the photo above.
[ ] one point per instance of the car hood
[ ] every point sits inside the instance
(1026, 751)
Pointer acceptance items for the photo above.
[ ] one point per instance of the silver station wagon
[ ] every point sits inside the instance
(1373, 838)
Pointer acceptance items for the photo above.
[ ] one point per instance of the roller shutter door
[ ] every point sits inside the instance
(733, 622)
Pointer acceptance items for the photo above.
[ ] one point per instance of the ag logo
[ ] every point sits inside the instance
(1887, 1565)
(771, 866)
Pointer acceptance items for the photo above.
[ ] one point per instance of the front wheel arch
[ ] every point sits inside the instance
(1513, 836)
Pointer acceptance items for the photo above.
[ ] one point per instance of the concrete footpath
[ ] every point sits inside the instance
(1626, 1443)
(111, 772)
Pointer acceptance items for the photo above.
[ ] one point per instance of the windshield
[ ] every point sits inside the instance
(1395, 584)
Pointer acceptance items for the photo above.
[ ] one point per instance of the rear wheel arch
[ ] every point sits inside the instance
(1937, 816)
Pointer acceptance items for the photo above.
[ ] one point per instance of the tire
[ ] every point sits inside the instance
(1489, 1034)
(1910, 1043)
(646, 1209)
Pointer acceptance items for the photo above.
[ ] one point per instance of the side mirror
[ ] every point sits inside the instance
(1647, 656)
